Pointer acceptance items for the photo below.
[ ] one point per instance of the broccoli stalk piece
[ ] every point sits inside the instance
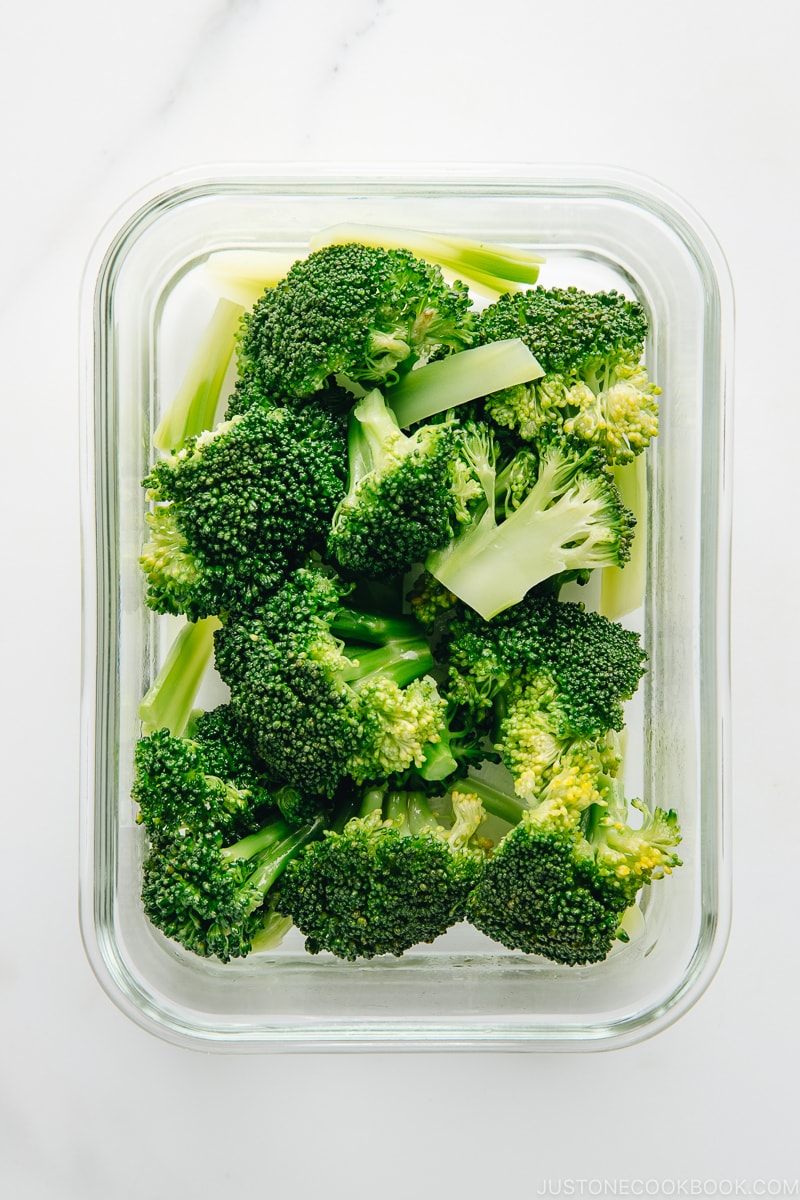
(563, 514)
(327, 692)
(559, 883)
(355, 311)
(492, 268)
(236, 508)
(459, 378)
(594, 386)
(392, 878)
(194, 406)
(167, 704)
(404, 493)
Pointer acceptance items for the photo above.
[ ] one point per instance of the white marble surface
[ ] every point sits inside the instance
(97, 98)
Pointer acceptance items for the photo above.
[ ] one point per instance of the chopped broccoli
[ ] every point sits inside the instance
(216, 843)
(215, 899)
(194, 407)
(188, 781)
(238, 507)
(319, 704)
(394, 877)
(590, 346)
(560, 881)
(542, 515)
(373, 543)
(589, 666)
(490, 267)
(351, 310)
(167, 703)
(404, 497)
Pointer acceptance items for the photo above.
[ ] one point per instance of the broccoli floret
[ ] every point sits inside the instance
(181, 782)
(541, 516)
(405, 495)
(559, 883)
(362, 312)
(328, 693)
(595, 388)
(576, 663)
(215, 899)
(391, 879)
(235, 509)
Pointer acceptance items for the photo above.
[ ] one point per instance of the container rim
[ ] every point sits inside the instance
(477, 178)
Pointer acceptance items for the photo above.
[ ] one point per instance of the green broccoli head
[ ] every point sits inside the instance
(353, 310)
(391, 879)
(405, 494)
(237, 508)
(216, 899)
(554, 886)
(328, 693)
(180, 781)
(574, 666)
(590, 345)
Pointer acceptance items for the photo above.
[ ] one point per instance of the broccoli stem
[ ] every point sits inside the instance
(495, 268)
(268, 852)
(461, 377)
(274, 861)
(499, 804)
(622, 589)
(168, 701)
(256, 843)
(194, 406)
(244, 275)
(372, 801)
(353, 625)
(401, 661)
(439, 762)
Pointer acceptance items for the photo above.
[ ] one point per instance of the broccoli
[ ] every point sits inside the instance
(405, 495)
(214, 899)
(238, 507)
(491, 268)
(595, 387)
(216, 842)
(545, 680)
(167, 703)
(542, 515)
(350, 310)
(392, 878)
(560, 881)
(181, 781)
(327, 692)
(194, 406)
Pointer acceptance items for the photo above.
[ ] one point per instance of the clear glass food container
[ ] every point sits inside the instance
(147, 297)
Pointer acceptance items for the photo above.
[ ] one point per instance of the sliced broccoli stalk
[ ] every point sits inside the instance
(194, 407)
(495, 268)
(622, 591)
(437, 386)
(570, 519)
(168, 701)
(243, 275)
